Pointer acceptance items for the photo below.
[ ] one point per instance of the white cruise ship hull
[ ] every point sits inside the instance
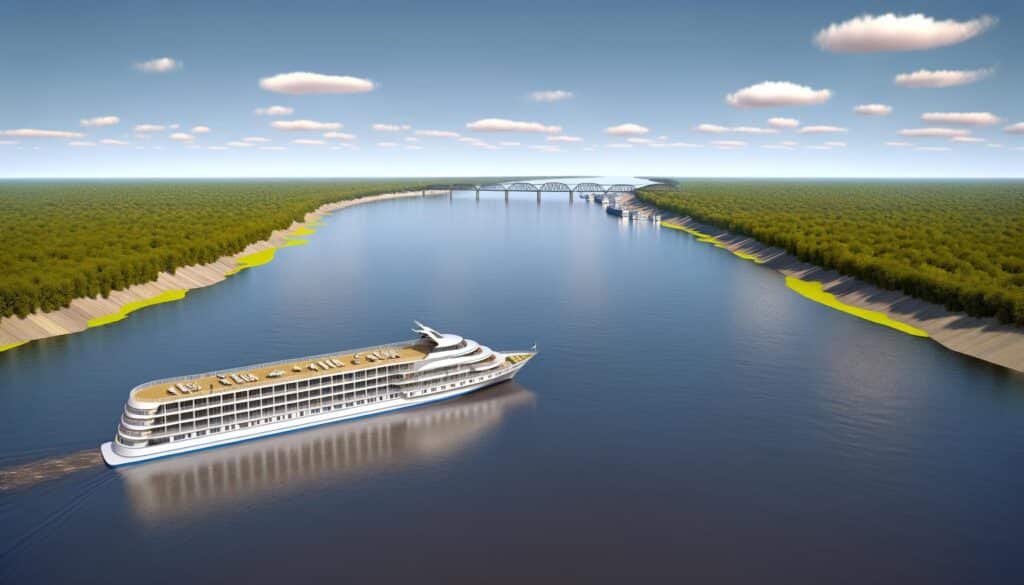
(114, 459)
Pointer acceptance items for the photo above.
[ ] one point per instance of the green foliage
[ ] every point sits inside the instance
(64, 240)
(958, 244)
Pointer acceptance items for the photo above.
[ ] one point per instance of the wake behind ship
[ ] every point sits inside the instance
(179, 415)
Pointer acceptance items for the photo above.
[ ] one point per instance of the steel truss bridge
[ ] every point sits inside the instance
(538, 188)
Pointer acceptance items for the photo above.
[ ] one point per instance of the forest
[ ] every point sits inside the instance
(958, 244)
(64, 240)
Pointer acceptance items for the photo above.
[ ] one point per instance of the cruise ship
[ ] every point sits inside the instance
(189, 413)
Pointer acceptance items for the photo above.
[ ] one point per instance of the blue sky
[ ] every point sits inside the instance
(666, 67)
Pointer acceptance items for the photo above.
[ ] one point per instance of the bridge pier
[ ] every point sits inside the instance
(538, 196)
(478, 194)
(506, 195)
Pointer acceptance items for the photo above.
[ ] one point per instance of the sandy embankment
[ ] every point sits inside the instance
(983, 338)
(15, 331)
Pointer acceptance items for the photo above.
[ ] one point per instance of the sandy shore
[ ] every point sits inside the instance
(983, 338)
(15, 330)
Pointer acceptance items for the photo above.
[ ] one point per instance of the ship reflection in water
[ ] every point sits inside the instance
(194, 484)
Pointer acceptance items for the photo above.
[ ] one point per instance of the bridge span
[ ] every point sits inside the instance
(538, 188)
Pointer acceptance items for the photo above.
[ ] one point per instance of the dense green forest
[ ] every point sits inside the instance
(64, 240)
(959, 244)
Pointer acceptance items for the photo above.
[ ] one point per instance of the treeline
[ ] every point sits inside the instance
(64, 240)
(958, 244)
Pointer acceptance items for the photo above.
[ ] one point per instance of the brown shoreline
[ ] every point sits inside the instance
(15, 330)
(983, 338)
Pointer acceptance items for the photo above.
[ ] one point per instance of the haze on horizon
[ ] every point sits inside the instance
(840, 89)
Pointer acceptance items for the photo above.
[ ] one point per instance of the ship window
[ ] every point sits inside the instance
(290, 386)
(303, 384)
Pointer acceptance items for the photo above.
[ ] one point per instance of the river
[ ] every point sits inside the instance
(688, 416)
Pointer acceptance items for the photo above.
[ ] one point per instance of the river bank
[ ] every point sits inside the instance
(983, 338)
(84, 313)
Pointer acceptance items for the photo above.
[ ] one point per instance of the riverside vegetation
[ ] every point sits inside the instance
(959, 244)
(66, 240)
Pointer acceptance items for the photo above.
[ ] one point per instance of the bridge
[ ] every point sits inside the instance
(538, 188)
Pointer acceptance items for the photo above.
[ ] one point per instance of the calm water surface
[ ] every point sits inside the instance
(688, 416)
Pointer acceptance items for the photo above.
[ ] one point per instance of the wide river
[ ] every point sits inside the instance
(687, 416)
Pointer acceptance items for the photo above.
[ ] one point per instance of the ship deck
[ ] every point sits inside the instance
(209, 383)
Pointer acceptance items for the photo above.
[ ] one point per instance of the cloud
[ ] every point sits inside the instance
(272, 148)
(304, 82)
(968, 139)
(776, 147)
(216, 148)
(821, 130)
(966, 118)
(78, 143)
(161, 65)
(308, 141)
(305, 125)
(754, 130)
(941, 78)
(835, 144)
(437, 133)
(8, 142)
(628, 129)
(181, 137)
(200, 129)
(673, 145)
(933, 132)
(710, 129)
(339, 136)
(387, 144)
(238, 144)
(509, 144)
(114, 142)
(890, 32)
(783, 122)
(1017, 128)
(503, 125)
(899, 144)
(639, 140)
(545, 147)
(789, 143)
(564, 139)
(873, 110)
(994, 145)
(553, 95)
(147, 128)
(37, 133)
(932, 148)
(777, 93)
(411, 139)
(274, 111)
(728, 143)
(716, 129)
(390, 127)
(818, 147)
(413, 147)
(100, 121)
(255, 139)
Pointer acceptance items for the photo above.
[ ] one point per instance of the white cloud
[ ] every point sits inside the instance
(308, 141)
(147, 128)
(941, 78)
(274, 111)
(967, 118)
(37, 133)
(181, 137)
(873, 110)
(933, 132)
(161, 65)
(509, 144)
(899, 144)
(673, 145)
(545, 147)
(255, 139)
(239, 144)
(1017, 128)
(994, 145)
(272, 148)
(411, 139)
(339, 136)
(437, 133)
(932, 148)
(387, 144)
(710, 129)
(305, 125)
(200, 129)
(8, 142)
(754, 130)
(835, 144)
(968, 139)
(553, 95)
(783, 122)
(304, 82)
(216, 148)
(564, 139)
(776, 147)
(619, 145)
(716, 129)
(777, 93)
(79, 143)
(639, 140)
(390, 127)
(100, 121)
(728, 143)
(627, 129)
(891, 32)
(821, 130)
(503, 125)
(413, 147)
(789, 143)
(114, 142)
(818, 147)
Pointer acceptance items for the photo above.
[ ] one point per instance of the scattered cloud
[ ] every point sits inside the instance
(822, 130)
(503, 125)
(552, 95)
(387, 144)
(305, 125)
(274, 111)
(161, 65)
(941, 78)
(255, 139)
(899, 144)
(272, 148)
(437, 133)
(933, 132)
(339, 136)
(966, 118)
(783, 122)
(710, 129)
(1017, 128)
(509, 144)
(391, 127)
(181, 137)
(147, 128)
(545, 147)
(411, 139)
(304, 82)
(239, 144)
(627, 129)
(789, 143)
(563, 138)
(968, 139)
(674, 145)
(994, 145)
(891, 32)
(777, 93)
(776, 147)
(413, 147)
(818, 147)
(639, 140)
(216, 147)
(37, 133)
(114, 142)
(873, 110)
(932, 148)
(100, 121)
(619, 145)
(200, 129)
(79, 143)
(835, 144)
(728, 143)
(308, 141)
(8, 142)
(754, 130)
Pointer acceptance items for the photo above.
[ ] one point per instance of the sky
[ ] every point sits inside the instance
(382, 88)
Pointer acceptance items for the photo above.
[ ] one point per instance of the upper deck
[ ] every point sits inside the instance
(209, 383)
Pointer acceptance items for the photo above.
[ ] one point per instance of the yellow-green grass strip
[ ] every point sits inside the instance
(294, 242)
(815, 291)
(709, 239)
(255, 259)
(164, 297)
(303, 231)
(4, 348)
